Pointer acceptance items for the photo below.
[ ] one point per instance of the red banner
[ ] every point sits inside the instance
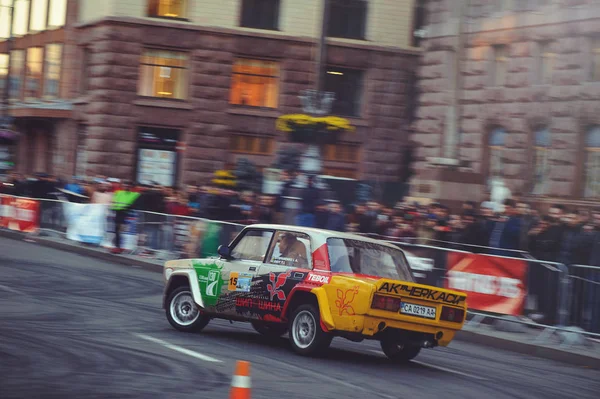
(19, 214)
(492, 284)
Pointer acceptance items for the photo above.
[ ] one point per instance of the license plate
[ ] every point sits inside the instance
(417, 310)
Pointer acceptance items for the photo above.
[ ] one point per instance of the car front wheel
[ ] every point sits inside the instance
(182, 312)
(306, 335)
(399, 353)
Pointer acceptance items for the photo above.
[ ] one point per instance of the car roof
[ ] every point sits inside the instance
(321, 232)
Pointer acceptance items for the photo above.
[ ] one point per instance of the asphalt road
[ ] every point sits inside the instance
(74, 327)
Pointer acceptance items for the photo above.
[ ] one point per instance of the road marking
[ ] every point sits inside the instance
(178, 349)
(440, 368)
(8, 289)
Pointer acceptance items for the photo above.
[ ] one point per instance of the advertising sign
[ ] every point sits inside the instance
(129, 232)
(86, 222)
(493, 284)
(20, 214)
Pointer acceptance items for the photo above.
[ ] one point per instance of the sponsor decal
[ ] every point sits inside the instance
(318, 278)
(421, 292)
(276, 283)
(258, 304)
(344, 301)
(210, 281)
(492, 284)
(240, 282)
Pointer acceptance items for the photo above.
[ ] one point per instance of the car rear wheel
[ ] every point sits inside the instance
(270, 329)
(399, 353)
(306, 335)
(182, 312)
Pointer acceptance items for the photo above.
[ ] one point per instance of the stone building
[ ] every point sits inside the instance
(510, 89)
(170, 91)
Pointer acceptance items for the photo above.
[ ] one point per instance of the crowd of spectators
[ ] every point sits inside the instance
(568, 236)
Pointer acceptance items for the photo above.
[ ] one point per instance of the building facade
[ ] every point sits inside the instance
(510, 90)
(172, 90)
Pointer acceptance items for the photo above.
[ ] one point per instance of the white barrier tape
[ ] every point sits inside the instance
(241, 381)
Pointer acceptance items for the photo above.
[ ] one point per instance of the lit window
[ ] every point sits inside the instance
(3, 73)
(17, 60)
(252, 144)
(21, 17)
(341, 152)
(545, 64)
(340, 172)
(164, 74)
(58, 13)
(496, 146)
(260, 14)
(540, 160)
(33, 78)
(5, 21)
(52, 70)
(499, 66)
(167, 8)
(39, 14)
(595, 67)
(255, 83)
(592, 162)
(347, 19)
(346, 84)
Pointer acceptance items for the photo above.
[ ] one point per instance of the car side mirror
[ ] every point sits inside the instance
(224, 252)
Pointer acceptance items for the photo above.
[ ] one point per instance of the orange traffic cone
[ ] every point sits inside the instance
(240, 384)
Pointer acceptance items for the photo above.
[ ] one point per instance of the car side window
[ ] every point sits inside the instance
(252, 246)
(291, 250)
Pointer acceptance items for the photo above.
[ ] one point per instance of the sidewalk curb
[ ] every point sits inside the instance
(101, 254)
(545, 352)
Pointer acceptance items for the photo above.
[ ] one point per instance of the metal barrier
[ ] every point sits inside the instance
(584, 298)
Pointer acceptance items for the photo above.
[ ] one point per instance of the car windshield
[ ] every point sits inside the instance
(354, 256)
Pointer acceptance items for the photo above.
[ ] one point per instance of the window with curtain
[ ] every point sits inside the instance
(255, 83)
(260, 14)
(347, 84)
(164, 74)
(167, 8)
(17, 65)
(496, 145)
(57, 14)
(20, 17)
(33, 72)
(592, 162)
(499, 65)
(39, 15)
(52, 70)
(541, 152)
(3, 73)
(347, 19)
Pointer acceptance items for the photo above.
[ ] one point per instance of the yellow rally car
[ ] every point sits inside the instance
(316, 284)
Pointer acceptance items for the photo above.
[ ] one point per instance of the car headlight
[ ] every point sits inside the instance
(167, 273)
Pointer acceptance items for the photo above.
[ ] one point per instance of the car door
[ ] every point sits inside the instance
(239, 272)
(288, 262)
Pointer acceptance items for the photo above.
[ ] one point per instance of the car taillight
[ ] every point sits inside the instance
(386, 303)
(452, 314)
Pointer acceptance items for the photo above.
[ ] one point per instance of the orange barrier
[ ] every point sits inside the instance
(240, 384)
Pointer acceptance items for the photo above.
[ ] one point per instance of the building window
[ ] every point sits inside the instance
(592, 162)
(85, 64)
(57, 15)
(496, 146)
(21, 17)
(39, 15)
(5, 21)
(342, 152)
(340, 172)
(157, 156)
(418, 32)
(260, 14)
(17, 61)
(541, 165)
(252, 144)
(164, 74)
(545, 64)
(33, 72)
(347, 19)
(52, 70)
(255, 83)
(595, 67)
(499, 65)
(347, 86)
(167, 8)
(3, 73)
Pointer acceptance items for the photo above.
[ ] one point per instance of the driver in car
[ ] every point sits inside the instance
(292, 251)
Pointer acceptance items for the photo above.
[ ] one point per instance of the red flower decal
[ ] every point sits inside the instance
(344, 301)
